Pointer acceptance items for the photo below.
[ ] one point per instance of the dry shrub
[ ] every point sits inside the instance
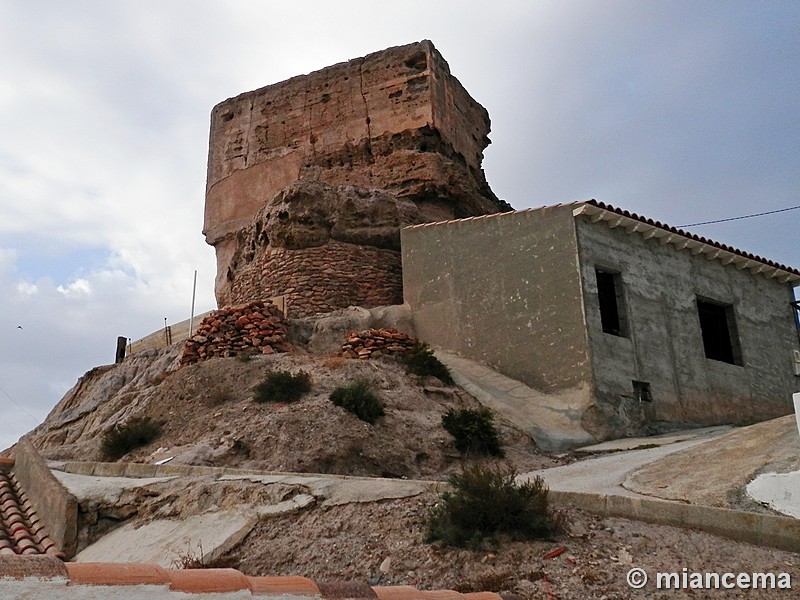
(283, 386)
(121, 439)
(473, 430)
(360, 399)
(488, 501)
(198, 560)
(422, 361)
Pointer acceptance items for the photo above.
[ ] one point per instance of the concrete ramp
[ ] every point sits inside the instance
(166, 541)
(552, 420)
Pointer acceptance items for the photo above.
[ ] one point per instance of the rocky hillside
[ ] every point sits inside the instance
(209, 417)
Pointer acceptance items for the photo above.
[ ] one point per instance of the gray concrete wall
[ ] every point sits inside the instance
(504, 290)
(53, 503)
(665, 346)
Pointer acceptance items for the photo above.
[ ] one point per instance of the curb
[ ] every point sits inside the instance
(758, 529)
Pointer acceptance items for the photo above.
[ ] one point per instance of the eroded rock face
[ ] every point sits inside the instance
(393, 133)
(320, 246)
(308, 214)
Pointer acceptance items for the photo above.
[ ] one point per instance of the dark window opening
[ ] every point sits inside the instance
(641, 391)
(612, 306)
(720, 336)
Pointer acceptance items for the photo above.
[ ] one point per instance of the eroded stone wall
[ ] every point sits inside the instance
(323, 278)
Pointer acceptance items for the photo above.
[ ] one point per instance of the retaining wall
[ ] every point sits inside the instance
(760, 529)
(53, 503)
(773, 531)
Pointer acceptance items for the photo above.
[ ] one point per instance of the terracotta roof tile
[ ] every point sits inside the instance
(442, 595)
(21, 528)
(208, 580)
(398, 592)
(483, 596)
(5, 464)
(346, 590)
(697, 238)
(220, 581)
(19, 567)
(283, 585)
(116, 574)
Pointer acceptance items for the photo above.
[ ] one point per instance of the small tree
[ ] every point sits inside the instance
(487, 501)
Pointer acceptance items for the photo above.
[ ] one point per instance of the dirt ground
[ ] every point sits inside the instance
(209, 418)
(382, 543)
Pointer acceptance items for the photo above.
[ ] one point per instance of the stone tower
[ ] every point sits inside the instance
(310, 179)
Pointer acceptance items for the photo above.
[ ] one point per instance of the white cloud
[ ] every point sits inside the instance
(77, 288)
(26, 288)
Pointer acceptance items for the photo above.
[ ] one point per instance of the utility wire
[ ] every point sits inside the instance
(14, 402)
(761, 214)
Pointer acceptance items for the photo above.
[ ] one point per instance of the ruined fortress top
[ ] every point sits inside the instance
(395, 122)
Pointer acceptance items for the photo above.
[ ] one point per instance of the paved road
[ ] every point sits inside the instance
(606, 474)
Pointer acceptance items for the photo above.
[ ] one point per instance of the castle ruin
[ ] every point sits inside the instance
(311, 179)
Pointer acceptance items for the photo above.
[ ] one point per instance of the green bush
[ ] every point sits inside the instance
(473, 430)
(422, 361)
(121, 439)
(283, 386)
(360, 399)
(486, 502)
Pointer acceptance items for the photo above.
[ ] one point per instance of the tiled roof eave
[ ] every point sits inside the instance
(161, 582)
(632, 223)
(21, 529)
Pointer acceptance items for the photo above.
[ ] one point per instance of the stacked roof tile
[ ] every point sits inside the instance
(164, 583)
(693, 236)
(21, 530)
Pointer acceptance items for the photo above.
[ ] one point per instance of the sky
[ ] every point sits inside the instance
(682, 111)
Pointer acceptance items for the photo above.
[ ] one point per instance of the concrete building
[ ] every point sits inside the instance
(637, 325)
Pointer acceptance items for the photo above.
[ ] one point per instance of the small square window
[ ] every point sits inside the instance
(641, 391)
(612, 303)
(720, 334)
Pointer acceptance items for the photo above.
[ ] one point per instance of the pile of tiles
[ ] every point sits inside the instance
(257, 326)
(21, 529)
(372, 343)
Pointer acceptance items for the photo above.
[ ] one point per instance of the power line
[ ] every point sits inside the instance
(761, 214)
(14, 402)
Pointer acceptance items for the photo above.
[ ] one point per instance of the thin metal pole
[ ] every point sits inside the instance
(194, 292)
